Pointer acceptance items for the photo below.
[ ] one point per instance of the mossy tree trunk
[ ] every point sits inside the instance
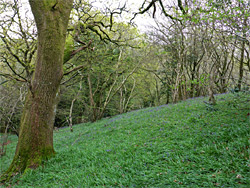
(35, 141)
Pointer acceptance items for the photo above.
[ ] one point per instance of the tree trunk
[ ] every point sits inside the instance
(35, 141)
(241, 70)
(212, 75)
(92, 101)
(72, 106)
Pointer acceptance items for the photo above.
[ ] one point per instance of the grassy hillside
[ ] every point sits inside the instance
(189, 144)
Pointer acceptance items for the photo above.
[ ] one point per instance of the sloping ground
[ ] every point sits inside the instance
(189, 144)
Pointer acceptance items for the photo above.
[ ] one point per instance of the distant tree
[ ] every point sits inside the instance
(103, 74)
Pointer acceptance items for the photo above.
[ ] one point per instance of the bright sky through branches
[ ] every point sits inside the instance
(142, 21)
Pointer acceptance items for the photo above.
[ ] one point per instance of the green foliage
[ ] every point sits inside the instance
(104, 63)
(69, 47)
(180, 145)
(239, 100)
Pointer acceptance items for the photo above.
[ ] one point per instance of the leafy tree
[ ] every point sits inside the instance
(107, 69)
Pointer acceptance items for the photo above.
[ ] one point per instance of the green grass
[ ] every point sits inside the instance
(189, 144)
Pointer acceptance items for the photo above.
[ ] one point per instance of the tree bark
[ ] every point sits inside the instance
(241, 70)
(35, 141)
(212, 75)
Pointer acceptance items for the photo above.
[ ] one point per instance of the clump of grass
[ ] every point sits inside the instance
(179, 145)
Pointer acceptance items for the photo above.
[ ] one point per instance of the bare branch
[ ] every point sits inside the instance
(81, 48)
(11, 68)
(74, 69)
(181, 7)
(9, 76)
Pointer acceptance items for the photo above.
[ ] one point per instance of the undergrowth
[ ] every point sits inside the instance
(179, 145)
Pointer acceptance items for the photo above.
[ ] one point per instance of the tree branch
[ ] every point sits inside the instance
(74, 69)
(153, 4)
(81, 48)
(181, 7)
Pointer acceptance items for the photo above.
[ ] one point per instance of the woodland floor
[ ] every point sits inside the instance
(188, 144)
